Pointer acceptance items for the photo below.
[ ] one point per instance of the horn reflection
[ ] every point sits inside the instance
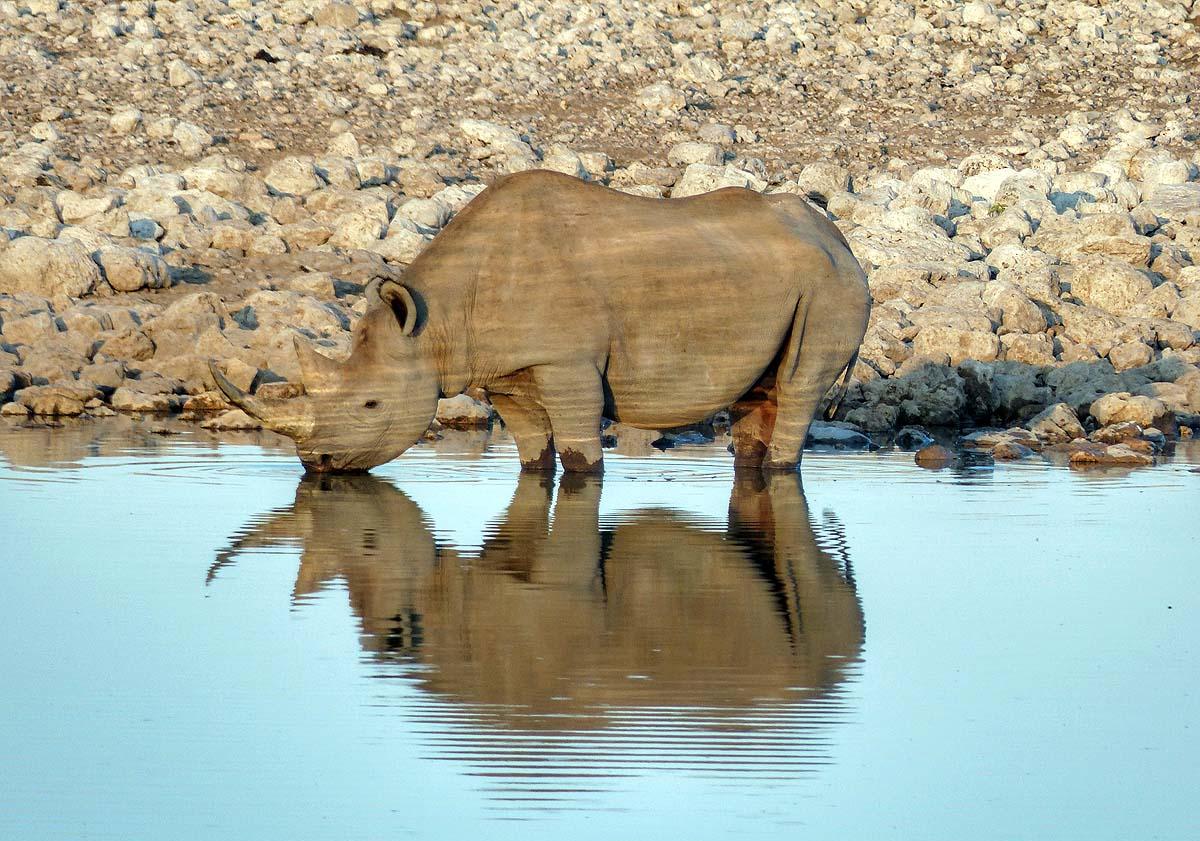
(571, 650)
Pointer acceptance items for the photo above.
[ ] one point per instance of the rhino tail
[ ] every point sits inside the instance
(839, 389)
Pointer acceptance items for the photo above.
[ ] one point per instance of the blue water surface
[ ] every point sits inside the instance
(200, 644)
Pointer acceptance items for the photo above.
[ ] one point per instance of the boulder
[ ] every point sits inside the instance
(52, 363)
(989, 439)
(965, 320)
(360, 229)
(908, 235)
(956, 344)
(74, 208)
(131, 269)
(1028, 348)
(1018, 313)
(33, 329)
(1091, 327)
(1129, 355)
(1108, 454)
(463, 412)
(128, 344)
(660, 98)
(704, 178)
(1191, 382)
(1174, 202)
(1002, 391)
(691, 152)
(53, 269)
(925, 393)
(428, 213)
(9, 382)
(1079, 384)
(272, 311)
(206, 402)
(294, 176)
(559, 158)
(402, 243)
(1117, 433)
(66, 398)
(1056, 424)
(933, 457)
(840, 436)
(1103, 234)
(1010, 451)
(985, 184)
(1175, 396)
(336, 15)
(128, 399)
(234, 419)
(1187, 311)
(822, 180)
(1122, 406)
(193, 140)
(1107, 283)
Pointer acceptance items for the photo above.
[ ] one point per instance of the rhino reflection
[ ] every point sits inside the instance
(562, 624)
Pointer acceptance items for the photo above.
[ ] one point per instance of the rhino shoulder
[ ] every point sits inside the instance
(802, 215)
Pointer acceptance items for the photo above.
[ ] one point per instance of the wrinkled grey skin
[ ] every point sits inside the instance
(567, 301)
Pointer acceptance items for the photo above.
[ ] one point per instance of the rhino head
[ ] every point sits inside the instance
(367, 410)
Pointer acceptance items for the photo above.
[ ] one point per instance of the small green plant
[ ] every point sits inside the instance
(996, 209)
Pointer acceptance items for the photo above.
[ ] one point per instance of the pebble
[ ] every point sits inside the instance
(934, 457)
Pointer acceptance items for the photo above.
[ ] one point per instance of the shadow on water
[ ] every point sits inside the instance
(572, 651)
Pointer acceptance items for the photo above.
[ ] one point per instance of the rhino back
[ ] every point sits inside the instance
(683, 303)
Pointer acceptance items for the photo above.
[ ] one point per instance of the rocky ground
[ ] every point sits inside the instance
(184, 181)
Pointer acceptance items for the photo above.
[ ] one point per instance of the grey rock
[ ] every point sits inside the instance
(1058, 423)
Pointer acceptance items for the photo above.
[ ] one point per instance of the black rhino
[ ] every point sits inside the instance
(567, 301)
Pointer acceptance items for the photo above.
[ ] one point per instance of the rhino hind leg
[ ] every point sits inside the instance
(530, 428)
(573, 398)
(753, 423)
(828, 328)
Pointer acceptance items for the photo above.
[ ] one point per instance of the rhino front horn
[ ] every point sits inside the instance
(293, 418)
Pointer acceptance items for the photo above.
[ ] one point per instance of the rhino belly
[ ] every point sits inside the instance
(660, 395)
(677, 364)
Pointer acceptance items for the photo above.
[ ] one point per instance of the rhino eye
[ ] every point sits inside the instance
(370, 404)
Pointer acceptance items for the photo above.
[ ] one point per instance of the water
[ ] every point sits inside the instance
(199, 643)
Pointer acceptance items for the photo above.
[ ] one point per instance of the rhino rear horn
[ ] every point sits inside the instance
(318, 371)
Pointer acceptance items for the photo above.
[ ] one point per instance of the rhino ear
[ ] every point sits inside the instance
(402, 302)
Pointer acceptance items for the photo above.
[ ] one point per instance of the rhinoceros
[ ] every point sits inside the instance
(567, 301)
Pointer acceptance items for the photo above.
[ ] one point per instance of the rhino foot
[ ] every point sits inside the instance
(574, 461)
(781, 466)
(544, 463)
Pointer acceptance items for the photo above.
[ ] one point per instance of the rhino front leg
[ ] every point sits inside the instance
(530, 428)
(573, 398)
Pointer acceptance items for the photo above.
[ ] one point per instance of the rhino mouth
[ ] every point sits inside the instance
(321, 464)
(325, 463)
